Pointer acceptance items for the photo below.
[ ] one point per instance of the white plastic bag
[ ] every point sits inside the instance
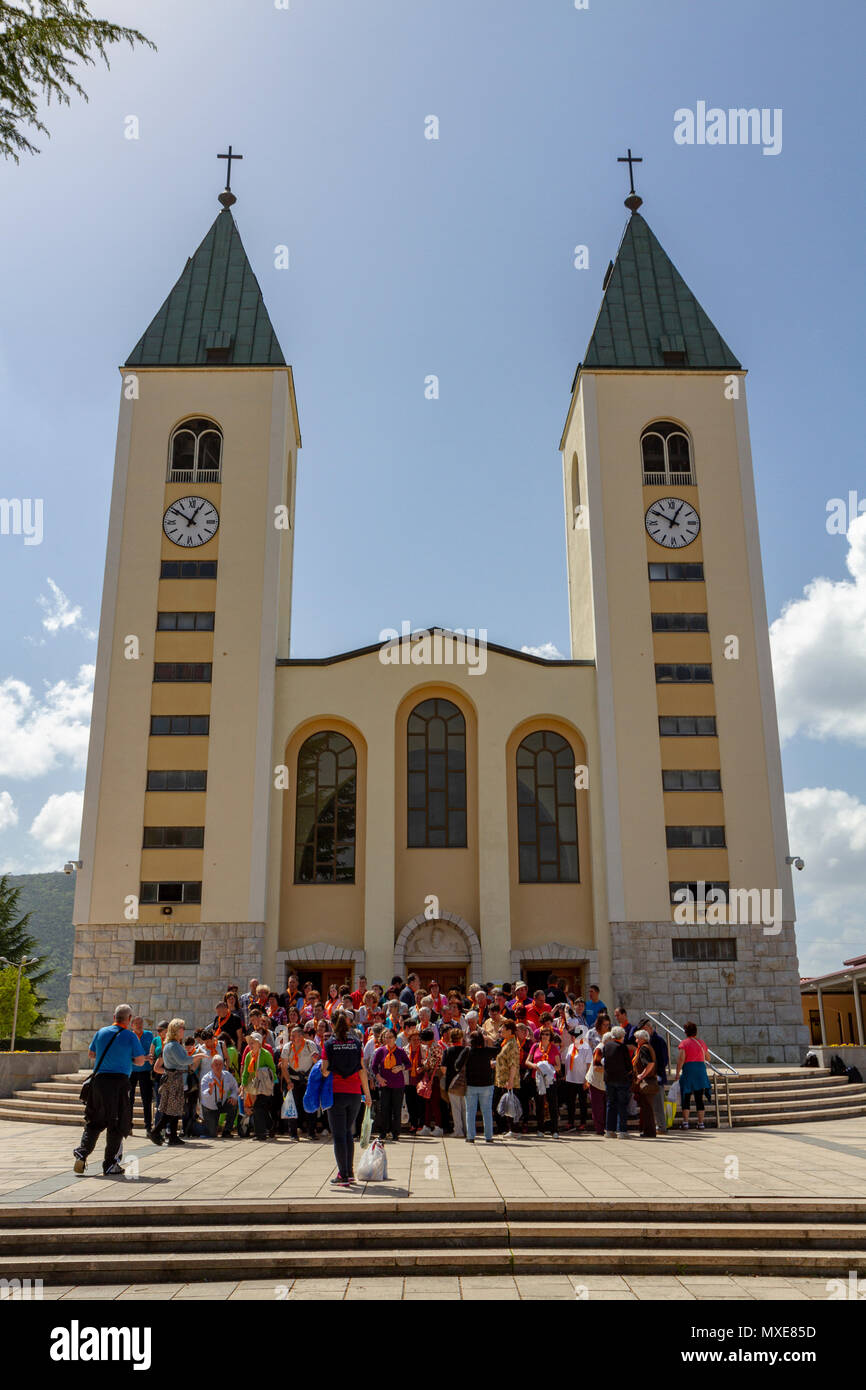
(372, 1166)
(674, 1094)
(510, 1107)
(289, 1111)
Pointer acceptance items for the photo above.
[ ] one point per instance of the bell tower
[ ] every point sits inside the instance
(666, 594)
(171, 896)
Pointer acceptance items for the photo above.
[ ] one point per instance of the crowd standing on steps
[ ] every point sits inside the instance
(415, 1060)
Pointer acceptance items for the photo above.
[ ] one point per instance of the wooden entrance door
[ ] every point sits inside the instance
(322, 977)
(570, 972)
(448, 976)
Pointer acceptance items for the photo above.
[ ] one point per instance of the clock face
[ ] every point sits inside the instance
(672, 522)
(191, 521)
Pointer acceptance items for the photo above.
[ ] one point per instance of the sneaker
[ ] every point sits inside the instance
(488, 1141)
(155, 1139)
(115, 1171)
(470, 1141)
(337, 1181)
(79, 1165)
(437, 1132)
(622, 1134)
(684, 1124)
(555, 1134)
(425, 1131)
(610, 1134)
(701, 1125)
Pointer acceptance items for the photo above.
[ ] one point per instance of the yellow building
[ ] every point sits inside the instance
(437, 802)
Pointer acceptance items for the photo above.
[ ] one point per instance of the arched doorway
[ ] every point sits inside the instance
(445, 949)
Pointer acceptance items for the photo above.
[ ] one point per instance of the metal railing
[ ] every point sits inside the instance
(723, 1076)
(662, 479)
(190, 475)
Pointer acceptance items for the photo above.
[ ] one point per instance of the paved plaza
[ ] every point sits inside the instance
(792, 1161)
(826, 1159)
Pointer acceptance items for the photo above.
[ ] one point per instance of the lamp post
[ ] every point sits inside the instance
(20, 966)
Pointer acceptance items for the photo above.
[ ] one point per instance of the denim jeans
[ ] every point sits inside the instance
(342, 1115)
(618, 1096)
(483, 1096)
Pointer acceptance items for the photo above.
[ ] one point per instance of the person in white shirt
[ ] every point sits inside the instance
(576, 1062)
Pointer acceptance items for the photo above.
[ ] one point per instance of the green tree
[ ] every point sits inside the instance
(41, 44)
(28, 1009)
(16, 941)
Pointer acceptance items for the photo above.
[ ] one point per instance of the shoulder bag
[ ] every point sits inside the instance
(84, 1093)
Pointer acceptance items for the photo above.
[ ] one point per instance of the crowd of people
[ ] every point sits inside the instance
(420, 1061)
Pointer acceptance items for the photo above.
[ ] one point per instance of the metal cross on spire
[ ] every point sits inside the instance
(227, 197)
(633, 201)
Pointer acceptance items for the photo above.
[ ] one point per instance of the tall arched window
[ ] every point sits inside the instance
(666, 454)
(436, 747)
(325, 810)
(546, 810)
(195, 452)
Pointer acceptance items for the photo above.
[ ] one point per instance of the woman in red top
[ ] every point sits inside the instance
(692, 1056)
(343, 1059)
(546, 1050)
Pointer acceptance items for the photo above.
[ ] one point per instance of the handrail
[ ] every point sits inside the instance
(732, 1070)
(722, 1075)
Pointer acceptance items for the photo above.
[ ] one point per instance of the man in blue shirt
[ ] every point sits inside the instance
(141, 1076)
(594, 1006)
(115, 1050)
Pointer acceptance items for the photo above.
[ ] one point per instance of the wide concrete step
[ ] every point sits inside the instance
(13, 1110)
(787, 1117)
(527, 1235)
(828, 1086)
(771, 1074)
(281, 1263)
(782, 1098)
(852, 1095)
(52, 1099)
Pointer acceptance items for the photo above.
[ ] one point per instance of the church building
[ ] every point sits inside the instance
(437, 802)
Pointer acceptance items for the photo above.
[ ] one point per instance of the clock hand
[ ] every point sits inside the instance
(195, 514)
(672, 520)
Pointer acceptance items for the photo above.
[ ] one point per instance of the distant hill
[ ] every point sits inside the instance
(49, 897)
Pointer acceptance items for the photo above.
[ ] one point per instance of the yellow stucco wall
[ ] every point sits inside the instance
(477, 883)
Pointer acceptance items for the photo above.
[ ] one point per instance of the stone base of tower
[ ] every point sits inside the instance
(104, 973)
(747, 1010)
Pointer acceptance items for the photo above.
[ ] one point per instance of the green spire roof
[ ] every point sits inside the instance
(215, 315)
(649, 316)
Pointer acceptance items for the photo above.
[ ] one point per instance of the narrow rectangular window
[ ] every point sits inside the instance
(184, 622)
(695, 836)
(163, 725)
(188, 569)
(173, 837)
(691, 780)
(676, 570)
(684, 672)
(679, 622)
(175, 780)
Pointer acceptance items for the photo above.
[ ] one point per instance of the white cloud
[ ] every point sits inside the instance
(828, 828)
(548, 650)
(819, 653)
(8, 813)
(60, 615)
(38, 734)
(57, 826)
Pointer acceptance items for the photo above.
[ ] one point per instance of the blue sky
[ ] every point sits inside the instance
(453, 257)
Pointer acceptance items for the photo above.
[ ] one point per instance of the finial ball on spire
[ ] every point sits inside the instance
(633, 201)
